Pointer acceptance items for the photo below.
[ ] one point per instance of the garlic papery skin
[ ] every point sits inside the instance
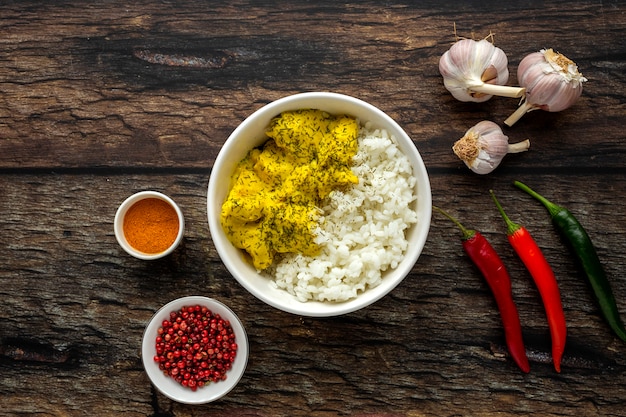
(552, 83)
(476, 71)
(483, 147)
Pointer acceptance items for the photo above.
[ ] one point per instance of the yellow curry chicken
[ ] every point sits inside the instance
(276, 190)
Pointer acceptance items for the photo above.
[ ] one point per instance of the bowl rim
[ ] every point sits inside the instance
(290, 304)
(118, 224)
(167, 385)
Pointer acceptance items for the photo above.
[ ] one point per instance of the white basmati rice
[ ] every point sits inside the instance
(362, 230)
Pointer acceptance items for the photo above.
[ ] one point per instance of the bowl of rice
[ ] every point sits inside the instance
(370, 233)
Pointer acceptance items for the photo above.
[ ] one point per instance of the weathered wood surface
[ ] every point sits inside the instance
(102, 99)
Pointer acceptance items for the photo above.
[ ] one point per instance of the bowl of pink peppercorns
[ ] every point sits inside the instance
(195, 350)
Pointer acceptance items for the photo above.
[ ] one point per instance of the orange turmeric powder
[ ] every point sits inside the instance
(151, 225)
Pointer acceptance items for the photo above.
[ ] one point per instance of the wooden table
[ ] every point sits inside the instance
(99, 100)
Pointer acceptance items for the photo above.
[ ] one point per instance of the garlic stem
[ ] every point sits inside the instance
(498, 90)
(519, 146)
(521, 110)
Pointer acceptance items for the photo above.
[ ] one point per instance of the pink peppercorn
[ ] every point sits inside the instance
(195, 347)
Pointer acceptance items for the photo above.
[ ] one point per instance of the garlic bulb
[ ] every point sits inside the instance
(476, 71)
(552, 83)
(484, 146)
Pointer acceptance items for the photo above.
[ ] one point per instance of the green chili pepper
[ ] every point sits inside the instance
(580, 243)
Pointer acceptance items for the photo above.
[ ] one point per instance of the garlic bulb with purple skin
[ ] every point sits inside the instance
(552, 83)
(483, 147)
(476, 71)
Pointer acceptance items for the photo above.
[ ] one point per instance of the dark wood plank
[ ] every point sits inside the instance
(96, 101)
(436, 334)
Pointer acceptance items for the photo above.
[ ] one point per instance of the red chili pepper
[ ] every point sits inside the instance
(532, 257)
(493, 270)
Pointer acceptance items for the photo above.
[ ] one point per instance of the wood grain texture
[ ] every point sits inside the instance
(102, 99)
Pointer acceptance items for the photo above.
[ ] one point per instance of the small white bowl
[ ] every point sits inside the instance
(118, 225)
(251, 134)
(166, 384)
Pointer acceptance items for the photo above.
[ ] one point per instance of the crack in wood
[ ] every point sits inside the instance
(20, 350)
(217, 60)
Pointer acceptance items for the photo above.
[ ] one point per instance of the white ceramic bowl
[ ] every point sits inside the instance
(250, 134)
(167, 385)
(118, 225)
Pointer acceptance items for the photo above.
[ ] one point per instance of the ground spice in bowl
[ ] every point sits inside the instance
(151, 225)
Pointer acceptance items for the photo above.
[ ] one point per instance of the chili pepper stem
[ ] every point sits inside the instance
(553, 209)
(510, 226)
(467, 233)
